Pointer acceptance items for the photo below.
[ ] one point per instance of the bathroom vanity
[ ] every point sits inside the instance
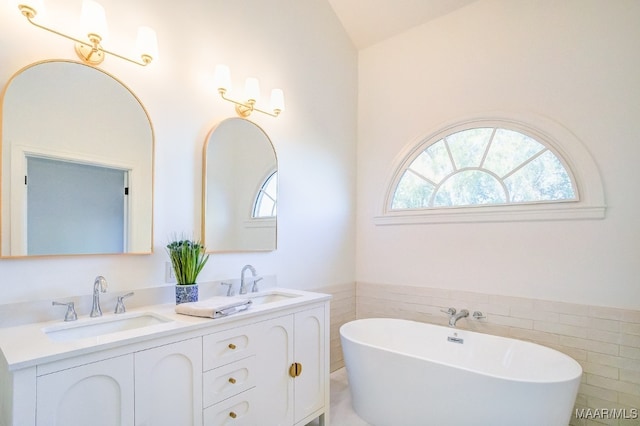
(151, 366)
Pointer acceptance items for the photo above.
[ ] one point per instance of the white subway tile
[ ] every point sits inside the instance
(631, 316)
(630, 376)
(600, 370)
(603, 324)
(598, 392)
(617, 385)
(631, 401)
(604, 336)
(534, 336)
(561, 307)
(526, 324)
(577, 320)
(535, 314)
(630, 340)
(589, 345)
(614, 361)
(562, 329)
(629, 352)
(514, 303)
(605, 313)
(630, 328)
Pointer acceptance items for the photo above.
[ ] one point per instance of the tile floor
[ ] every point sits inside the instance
(341, 412)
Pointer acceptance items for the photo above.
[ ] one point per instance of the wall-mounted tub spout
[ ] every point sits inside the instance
(453, 319)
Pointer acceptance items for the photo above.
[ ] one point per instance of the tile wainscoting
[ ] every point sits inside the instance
(343, 310)
(605, 341)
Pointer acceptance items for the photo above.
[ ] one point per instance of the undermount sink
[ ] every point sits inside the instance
(95, 327)
(271, 297)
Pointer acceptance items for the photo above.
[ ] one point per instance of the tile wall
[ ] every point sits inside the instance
(343, 310)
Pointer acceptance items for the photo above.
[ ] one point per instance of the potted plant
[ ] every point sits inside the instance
(188, 257)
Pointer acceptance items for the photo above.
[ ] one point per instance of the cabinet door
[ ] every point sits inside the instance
(100, 393)
(309, 351)
(274, 388)
(168, 387)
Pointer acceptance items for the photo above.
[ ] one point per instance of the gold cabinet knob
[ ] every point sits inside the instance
(232, 380)
(232, 346)
(295, 370)
(233, 415)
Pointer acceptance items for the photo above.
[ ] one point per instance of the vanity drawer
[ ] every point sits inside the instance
(228, 380)
(228, 346)
(238, 410)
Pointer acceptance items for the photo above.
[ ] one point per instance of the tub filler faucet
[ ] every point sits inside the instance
(454, 315)
(99, 285)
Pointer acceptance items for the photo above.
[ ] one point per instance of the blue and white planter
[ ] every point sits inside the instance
(186, 293)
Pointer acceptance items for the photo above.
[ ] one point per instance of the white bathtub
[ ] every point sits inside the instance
(406, 373)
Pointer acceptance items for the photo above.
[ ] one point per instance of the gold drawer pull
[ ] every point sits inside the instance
(232, 380)
(232, 346)
(233, 415)
(295, 370)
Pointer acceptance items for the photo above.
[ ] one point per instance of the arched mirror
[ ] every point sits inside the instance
(239, 188)
(77, 164)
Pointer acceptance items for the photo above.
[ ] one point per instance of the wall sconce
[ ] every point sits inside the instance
(222, 79)
(94, 23)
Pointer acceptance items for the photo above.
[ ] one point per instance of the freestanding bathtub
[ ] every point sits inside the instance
(406, 373)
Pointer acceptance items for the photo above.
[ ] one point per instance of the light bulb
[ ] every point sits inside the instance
(222, 77)
(147, 42)
(93, 19)
(277, 100)
(252, 89)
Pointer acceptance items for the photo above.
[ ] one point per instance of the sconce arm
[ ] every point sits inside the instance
(245, 109)
(29, 13)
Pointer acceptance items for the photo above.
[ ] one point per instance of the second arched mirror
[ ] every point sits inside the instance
(240, 172)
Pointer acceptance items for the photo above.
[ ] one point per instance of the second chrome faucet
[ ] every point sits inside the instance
(254, 277)
(99, 285)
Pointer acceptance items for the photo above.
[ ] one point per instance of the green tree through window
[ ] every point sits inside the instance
(483, 166)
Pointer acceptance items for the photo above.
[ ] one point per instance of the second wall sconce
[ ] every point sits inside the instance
(222, 79)
(94, 23)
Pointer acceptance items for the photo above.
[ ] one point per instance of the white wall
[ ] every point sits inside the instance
(575, 62)
(298, 46)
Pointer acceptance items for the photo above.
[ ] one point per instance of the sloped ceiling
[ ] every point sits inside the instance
(370, 21)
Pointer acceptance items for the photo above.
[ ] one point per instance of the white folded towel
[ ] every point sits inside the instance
(214, 307)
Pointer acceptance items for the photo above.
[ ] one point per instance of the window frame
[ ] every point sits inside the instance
(261, 193)
(571, 153)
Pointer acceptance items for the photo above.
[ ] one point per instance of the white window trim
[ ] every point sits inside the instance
(573, 153)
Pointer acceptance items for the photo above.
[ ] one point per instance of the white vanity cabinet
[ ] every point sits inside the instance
(263, 367)
(98, 393)
(292, 368)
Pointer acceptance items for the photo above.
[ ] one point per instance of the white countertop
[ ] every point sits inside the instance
(28, 345)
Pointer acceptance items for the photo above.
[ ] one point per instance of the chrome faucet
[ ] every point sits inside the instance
(453, 319)
(99, 285)
(243, 285)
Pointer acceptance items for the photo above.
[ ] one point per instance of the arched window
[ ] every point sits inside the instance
(491, 171)
(265, 201)
(483, 166)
